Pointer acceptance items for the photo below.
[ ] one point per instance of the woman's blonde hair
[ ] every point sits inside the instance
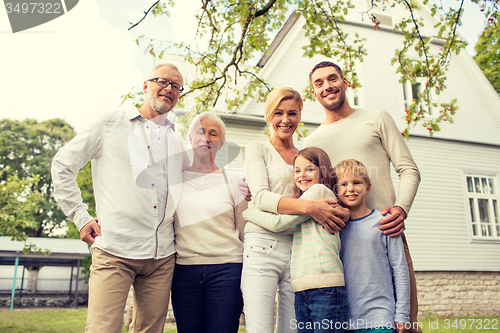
(276, 96)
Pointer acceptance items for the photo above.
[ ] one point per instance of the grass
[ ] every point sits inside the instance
(69, 320)
(49, 320)
(43, 320)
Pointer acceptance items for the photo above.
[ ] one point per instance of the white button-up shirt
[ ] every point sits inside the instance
(132, 162)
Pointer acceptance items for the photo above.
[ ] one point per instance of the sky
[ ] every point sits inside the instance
(78, 65)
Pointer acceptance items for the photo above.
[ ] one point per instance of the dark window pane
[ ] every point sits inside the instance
(492, 185)
(470, 186)
(483, 210)
(472, 215)
(477, 183)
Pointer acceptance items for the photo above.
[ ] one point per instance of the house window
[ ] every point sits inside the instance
(483, 206)
(412, 92)
(354, 94)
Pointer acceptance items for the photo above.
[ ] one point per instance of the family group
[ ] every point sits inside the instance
(312, 242)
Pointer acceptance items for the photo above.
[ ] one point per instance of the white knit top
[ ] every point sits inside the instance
(208, 226)
(269, 178)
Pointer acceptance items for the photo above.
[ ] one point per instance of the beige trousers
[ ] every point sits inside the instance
(109, 284)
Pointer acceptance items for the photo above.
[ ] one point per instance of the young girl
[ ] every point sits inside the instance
(316, 269)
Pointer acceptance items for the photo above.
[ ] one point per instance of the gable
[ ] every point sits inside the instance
(478, 117)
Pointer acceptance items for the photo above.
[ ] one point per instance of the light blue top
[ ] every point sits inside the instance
(371, 259)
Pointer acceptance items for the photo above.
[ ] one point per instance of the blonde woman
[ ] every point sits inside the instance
(266, 255)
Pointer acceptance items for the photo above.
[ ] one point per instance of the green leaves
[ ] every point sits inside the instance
(18, 201)
(488, 53)
(430, 65)
(26, 151)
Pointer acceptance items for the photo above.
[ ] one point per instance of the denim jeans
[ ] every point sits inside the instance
(266, 269)
(207, 298)
(321, 310)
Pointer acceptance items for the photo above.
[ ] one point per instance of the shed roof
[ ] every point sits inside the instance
(54, 245)
(63, 252)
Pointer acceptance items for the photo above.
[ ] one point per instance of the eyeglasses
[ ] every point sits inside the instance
(164, 83)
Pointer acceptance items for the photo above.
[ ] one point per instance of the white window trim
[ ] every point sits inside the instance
(495, 238)
(407, 88)
(357, 92)
(383, 9)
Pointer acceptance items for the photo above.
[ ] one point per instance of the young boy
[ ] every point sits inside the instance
(371, 260)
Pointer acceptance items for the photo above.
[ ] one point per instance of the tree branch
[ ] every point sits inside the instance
(145, 14)
(265, 9)
(454, 34)
(418, 33)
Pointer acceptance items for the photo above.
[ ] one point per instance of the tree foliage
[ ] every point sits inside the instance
(231, 32)
(18, 201)
(26, 151)
(488, 53)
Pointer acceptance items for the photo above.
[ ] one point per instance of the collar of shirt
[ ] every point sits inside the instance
(133, 113)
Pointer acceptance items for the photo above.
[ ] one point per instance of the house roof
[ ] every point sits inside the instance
(62, 252)
(279, 38)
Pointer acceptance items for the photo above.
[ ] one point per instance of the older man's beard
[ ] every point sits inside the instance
(160, 107)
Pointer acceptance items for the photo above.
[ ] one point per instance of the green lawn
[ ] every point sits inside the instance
(69, 320)
(48, 320)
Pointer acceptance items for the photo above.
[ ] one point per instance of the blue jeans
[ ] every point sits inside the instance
(207, 298)
(321, 310)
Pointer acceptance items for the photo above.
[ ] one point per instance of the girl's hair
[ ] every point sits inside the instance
(276, 96)
(320, 159)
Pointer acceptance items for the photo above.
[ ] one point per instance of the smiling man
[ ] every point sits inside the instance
(372, 137)
(133, 241)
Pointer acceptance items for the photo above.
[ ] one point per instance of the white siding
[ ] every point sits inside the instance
(438, 229)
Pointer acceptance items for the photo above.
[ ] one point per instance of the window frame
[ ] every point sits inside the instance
(357, 92)
(478, 229)
(382, 9)
(407, 87)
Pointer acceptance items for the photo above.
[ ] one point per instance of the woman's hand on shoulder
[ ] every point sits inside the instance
(245, 190)
(325, 213)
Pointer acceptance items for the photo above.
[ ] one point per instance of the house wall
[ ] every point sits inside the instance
(437, 228)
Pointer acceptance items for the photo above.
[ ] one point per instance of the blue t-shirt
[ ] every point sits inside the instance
(371, 259)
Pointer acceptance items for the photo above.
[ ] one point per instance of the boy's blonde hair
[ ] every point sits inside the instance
(351, 166)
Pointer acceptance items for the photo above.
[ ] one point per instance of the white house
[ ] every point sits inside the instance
(453, 229)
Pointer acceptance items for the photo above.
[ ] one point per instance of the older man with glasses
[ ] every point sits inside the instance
(137, 161)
